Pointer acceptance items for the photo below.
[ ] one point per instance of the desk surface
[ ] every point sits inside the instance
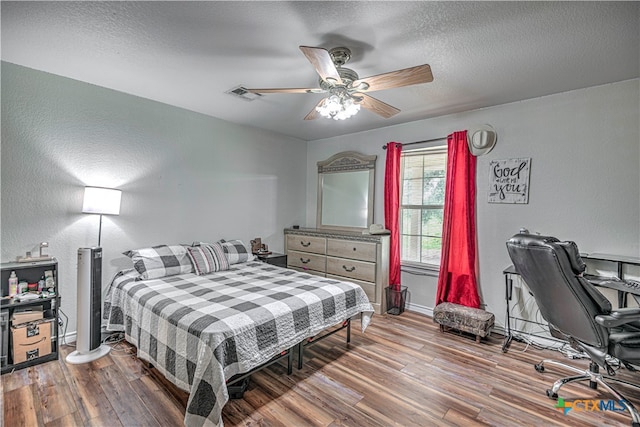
(510, 270)
(614, 258)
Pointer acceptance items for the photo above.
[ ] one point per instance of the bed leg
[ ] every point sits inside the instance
(348, 331)
(300, 352)
(290, 361)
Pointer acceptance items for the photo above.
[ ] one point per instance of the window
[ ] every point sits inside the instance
(422, 205)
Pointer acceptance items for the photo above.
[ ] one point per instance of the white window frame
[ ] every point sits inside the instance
(413, 266)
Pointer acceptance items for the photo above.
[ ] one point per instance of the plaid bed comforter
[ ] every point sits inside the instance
(200, 330)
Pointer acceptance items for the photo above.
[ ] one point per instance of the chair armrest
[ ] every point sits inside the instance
(621, 316)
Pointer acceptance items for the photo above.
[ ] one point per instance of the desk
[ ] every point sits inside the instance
(623, 292)
(620, 261)
(508, 284)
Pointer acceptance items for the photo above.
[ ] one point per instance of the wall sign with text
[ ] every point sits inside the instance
(509, 181)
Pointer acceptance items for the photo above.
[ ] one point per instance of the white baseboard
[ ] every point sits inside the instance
(69, 338)
(420, 309)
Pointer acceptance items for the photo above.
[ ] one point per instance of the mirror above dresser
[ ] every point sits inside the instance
(345, 191)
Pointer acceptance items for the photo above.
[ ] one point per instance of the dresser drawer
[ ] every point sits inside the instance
(306, 261)
(353, 269)
(350, 249)
(316, 245)
(367, 287)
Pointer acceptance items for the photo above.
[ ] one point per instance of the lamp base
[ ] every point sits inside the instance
(77, 358)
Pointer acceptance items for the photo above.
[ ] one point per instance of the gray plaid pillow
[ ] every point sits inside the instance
(160, 261)
(237, 252)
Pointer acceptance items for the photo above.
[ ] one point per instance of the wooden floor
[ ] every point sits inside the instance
(402, 372)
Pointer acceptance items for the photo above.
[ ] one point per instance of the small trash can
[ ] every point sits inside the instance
(396, 300)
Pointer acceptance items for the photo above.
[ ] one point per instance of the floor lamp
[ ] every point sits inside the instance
(89, 347)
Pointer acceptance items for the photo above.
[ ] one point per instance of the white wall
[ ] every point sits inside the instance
(184, 176)
(585, 180)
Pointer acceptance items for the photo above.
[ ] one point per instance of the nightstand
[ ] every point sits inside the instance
(274, 258)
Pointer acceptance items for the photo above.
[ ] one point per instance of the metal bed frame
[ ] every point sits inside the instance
(183, 396)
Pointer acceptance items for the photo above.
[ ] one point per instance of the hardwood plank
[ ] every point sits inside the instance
(336, 400)
(124, 356)
(291, 401)
(461, 419)
(274, 413)
(20, 407)
(131, 411)
(71, 419)
(86, 390)
(53, 393)
(238, 412)
(158, 401)
(16, 379)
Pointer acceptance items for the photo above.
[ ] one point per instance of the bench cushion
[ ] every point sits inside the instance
(466, 319)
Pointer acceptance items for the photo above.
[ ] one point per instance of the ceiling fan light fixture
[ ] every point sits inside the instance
(338, 108)
(346, 89)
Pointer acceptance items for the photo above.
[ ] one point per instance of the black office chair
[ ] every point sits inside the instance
(577, 312)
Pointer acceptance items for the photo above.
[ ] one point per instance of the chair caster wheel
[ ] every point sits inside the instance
(554, 396)
(539, 367)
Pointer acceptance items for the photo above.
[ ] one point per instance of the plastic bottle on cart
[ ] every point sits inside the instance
(13, 284)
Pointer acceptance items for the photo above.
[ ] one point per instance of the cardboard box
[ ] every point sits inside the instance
(31, 340)
(31, 314)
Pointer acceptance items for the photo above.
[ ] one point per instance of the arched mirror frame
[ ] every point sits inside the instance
(345, 162)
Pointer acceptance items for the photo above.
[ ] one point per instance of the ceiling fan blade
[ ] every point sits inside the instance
(321, 61)
(375, 105)
(287, 90)
(314, 114)
(399, 78)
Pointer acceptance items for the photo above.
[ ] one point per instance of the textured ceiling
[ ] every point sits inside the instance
(188, 54)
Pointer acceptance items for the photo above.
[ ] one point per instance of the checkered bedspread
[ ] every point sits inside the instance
(200, 330)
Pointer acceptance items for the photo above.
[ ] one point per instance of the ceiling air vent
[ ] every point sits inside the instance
(242, 92)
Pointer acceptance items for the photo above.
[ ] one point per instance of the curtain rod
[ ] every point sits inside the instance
(384, 147)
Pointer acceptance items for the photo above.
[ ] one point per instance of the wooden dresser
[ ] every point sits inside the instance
(343, 255)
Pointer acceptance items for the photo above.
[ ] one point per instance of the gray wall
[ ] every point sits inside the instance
(184, 176)
(585, 180)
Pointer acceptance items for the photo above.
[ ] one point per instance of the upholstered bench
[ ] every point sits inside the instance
(466, 319)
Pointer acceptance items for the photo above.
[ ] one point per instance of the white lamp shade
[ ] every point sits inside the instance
(103, 201)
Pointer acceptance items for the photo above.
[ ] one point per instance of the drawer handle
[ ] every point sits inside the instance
(349, 269)
(354, 249)
(306, 245)
(302, 260)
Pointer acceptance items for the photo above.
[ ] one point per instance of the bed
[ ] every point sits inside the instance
(201, 330)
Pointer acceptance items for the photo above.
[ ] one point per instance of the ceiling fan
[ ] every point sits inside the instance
(348, 92)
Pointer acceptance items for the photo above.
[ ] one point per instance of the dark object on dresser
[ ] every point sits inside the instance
(553, 271)
(274, 258)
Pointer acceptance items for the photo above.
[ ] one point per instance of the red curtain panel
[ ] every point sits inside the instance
(392, 210)
(457, 282)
